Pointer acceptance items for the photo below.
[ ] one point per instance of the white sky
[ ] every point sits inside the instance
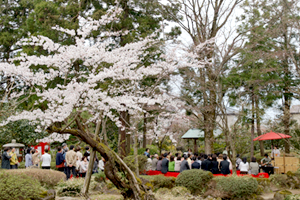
(185, 38)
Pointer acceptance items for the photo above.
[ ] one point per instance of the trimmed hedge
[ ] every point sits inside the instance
(48, 178)
(19, 186)
(194, 180)
(161, 181)
(237, 187)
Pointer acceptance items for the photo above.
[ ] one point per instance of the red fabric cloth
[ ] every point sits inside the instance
(172, 174)
(271, 136)
(175, 174)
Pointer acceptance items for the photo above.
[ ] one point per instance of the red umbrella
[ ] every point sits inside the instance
(271, 136)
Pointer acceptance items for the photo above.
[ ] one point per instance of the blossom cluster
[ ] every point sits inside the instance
(97, 78)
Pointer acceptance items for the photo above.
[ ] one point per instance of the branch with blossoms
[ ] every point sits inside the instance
(96, 81)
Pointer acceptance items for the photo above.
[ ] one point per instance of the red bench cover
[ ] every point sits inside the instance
(175, 174)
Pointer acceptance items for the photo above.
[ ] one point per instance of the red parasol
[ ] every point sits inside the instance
(271, 136)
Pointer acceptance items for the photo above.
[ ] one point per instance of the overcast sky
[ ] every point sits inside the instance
(186, 40)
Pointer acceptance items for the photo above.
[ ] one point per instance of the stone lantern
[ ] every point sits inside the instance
(17, 146)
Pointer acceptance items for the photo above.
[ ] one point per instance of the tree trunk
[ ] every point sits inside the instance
(195, 146)
(252, 126)
(286, 121)
(89, 172)
(115, 170)
(232, 148)
(122, 135)
(144, 131)
(135, 149)
(209, 134)
(128, 136)
(261, 143)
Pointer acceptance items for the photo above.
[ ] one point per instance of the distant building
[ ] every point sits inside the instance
(295, 113)
(232, 116)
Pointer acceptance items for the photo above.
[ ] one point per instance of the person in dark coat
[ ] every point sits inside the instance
(5, 164)
(224, 165)
(60, 160)
(165, 164)
(195, 165)
(215, 165)
(184, 165)
(206, 164)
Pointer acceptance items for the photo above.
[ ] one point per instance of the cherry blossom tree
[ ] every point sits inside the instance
(100, 79)
(165, 124)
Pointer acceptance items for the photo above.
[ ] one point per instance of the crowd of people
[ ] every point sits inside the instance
(218, 163)
(68, 160)
(72, 161)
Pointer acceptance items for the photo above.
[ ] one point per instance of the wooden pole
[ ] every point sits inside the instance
(89, 172)
(284, 162)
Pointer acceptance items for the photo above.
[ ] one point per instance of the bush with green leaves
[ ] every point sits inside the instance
(72, 187)
(194, 180)
(99, 177)
(130, 162)
(236, 186)
(19, 186)
(161, 181)
(48, 178)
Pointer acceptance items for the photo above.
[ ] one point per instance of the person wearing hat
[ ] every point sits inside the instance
(184, 165)
(165, 164)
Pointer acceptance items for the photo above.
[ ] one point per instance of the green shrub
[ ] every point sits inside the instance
(179, 191)
(99, 177)
(72, 187)
(161, 181)
(48, 178)
(265, 182)
(236, 186)
(263, 185)
(18, 186)
(195, 180)
(142, 161)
